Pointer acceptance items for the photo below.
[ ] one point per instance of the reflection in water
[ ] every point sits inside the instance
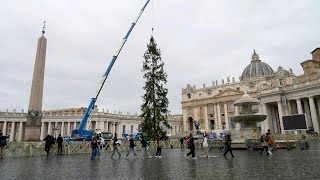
(192, 169)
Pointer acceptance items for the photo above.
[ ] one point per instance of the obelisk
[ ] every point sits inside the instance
(33, 124)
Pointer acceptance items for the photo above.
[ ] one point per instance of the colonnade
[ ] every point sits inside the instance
(308, 105)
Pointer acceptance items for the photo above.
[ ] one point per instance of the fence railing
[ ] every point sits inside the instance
(19, 149)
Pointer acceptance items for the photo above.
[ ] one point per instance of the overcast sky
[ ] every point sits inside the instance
(201, 41)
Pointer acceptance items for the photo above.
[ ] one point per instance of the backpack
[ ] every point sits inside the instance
(267, 138)
(188, 142)
(261, 139)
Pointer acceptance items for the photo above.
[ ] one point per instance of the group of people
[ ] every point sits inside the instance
(191, 145)
(267, 142)
(95, 150)
(50, 140)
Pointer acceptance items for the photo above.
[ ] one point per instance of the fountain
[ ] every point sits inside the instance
(247, 119)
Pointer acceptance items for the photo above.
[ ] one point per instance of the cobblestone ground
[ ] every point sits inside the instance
(284, 164)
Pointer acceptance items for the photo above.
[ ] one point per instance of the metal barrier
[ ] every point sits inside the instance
(19, 149)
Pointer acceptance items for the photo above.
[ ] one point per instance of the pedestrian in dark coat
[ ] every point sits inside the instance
(228, 145)
(191, 146)
(49, 141)
(59, 141)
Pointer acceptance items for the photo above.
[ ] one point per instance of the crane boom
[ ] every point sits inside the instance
(80, 131)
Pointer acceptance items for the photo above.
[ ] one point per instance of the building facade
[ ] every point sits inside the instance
(281, 92)
(64, 121)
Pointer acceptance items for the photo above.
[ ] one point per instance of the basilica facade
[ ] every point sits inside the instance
(280, 91)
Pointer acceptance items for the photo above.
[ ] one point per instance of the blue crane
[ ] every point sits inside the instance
(81, 132)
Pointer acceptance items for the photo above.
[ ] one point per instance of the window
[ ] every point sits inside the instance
(124, 129)
(189, 96)
(238, 89)
(209, 93)
(131, 128)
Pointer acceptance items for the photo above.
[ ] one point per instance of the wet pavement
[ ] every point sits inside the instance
(284, 164)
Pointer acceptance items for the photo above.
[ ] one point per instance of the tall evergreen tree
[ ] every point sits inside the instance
(155, 102)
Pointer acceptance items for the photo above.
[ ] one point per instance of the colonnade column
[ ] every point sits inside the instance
(267, 120)
(219, 116)
(314, 116)
(216, 123)
(299, 106)
(50, 128)
(42, 131)
(20, 131)
(107, 126)
(12, 133)
(62, 129)
(206, 125)
(75, 125)
(280, 117)
(68, 130)
(226, 117)
(4, 128)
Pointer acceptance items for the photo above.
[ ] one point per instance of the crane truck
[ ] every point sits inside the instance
(81, 133)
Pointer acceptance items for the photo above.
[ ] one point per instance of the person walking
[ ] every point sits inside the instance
(131, 147)
(115, 146)
(228, 145)
(3, 143)
(94, 146)
(264, 144)
(191, 146)
(144, 147)
(49, 141)
(98, 144)
(159, 146)
(205, 145)
(181, 142)
(59, 141)
(270, 141)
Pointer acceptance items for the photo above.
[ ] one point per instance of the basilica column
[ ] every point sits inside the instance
(299, 106)
(314, 116)
(42, 131)
(20, 131)
(307, 111)
(318, 102)
(219, 116)
(12, 133)
(280, 117)
(206, 125)
(4, 128)
(68, 130)
(226, 117)
(236, 113)
(216, 124)
(267, 120)
(184, 119)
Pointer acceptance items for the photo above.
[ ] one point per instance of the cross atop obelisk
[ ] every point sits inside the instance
(33, 124)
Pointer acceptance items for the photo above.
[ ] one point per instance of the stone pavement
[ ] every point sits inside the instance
(284, 164)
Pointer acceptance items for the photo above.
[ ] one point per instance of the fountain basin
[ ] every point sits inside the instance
(249, 118)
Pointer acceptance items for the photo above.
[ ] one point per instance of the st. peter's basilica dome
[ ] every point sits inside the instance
(256, 68)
